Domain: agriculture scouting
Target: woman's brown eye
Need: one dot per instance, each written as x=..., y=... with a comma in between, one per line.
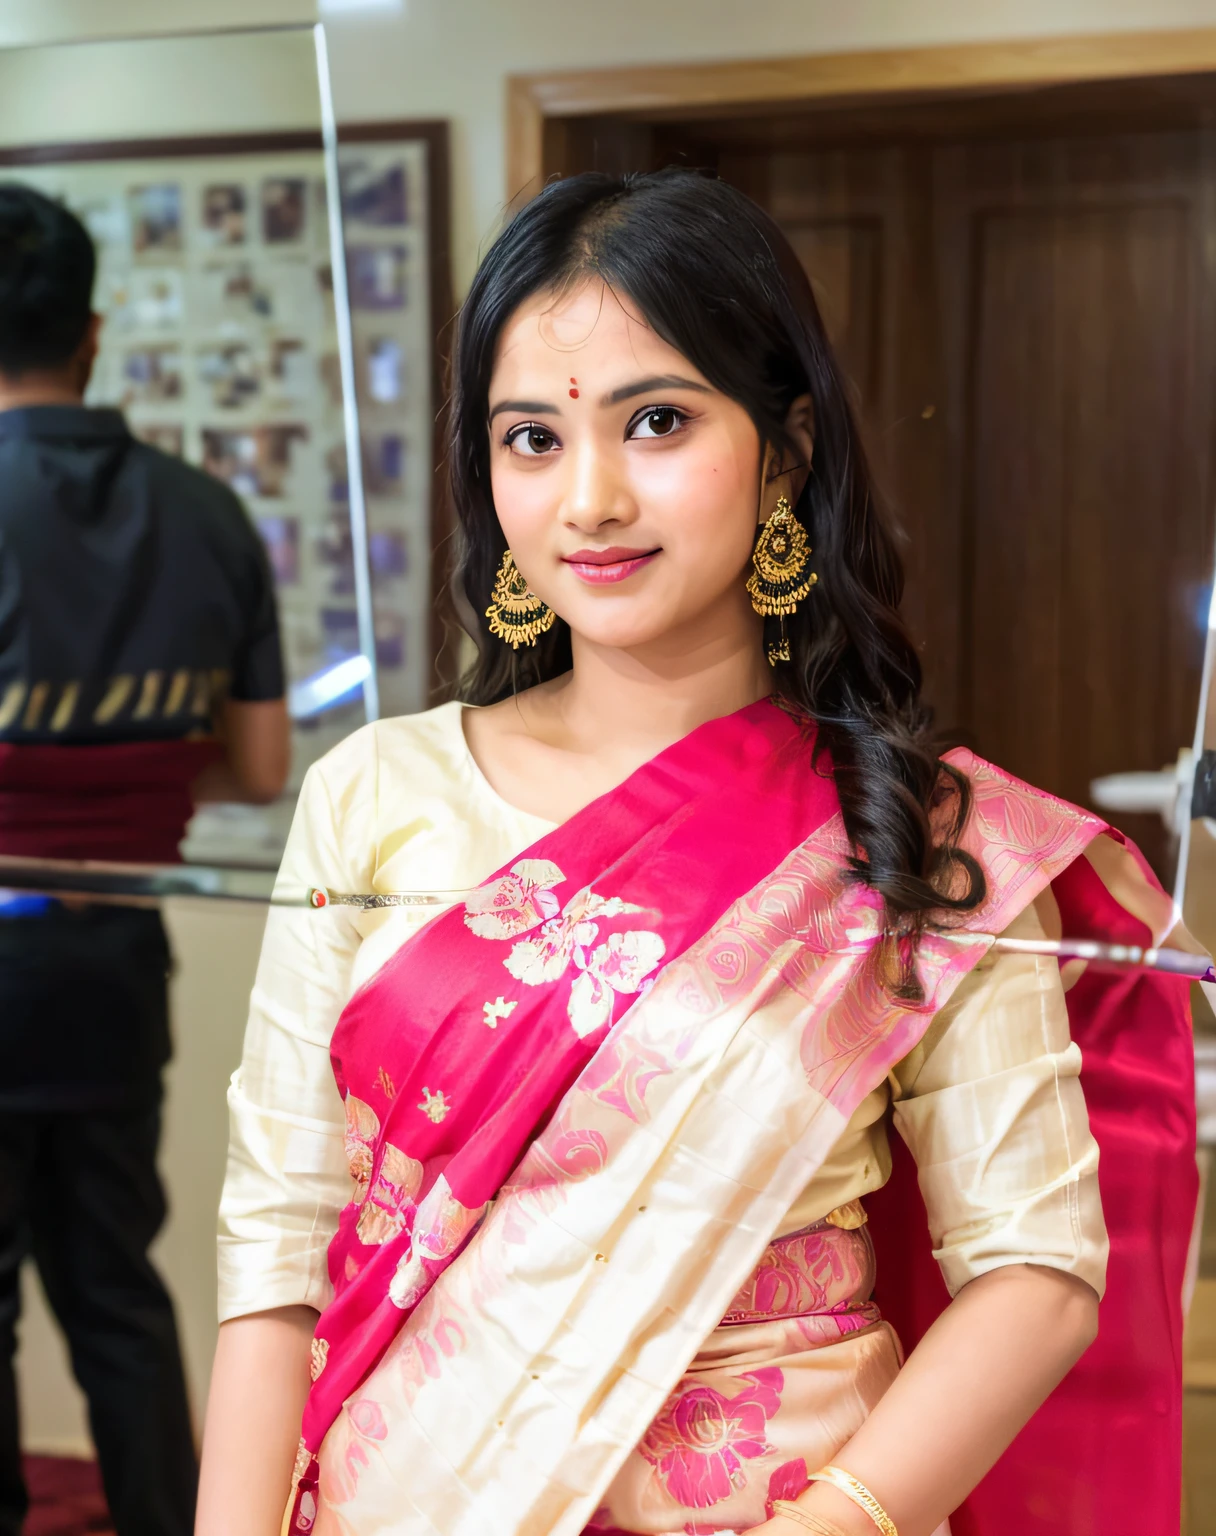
x=659, y=421
x=530, y=440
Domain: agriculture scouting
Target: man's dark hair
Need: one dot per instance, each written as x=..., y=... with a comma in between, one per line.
x=47, y=266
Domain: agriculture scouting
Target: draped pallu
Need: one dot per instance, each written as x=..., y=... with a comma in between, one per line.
x=579, y=1107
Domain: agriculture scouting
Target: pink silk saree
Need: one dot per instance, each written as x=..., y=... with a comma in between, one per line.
x=579, y=1106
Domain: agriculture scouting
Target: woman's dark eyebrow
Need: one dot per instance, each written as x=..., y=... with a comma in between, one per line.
x=645, y=386
x=525, y=408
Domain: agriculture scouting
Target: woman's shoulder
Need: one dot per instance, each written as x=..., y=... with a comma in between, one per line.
x=424, y=751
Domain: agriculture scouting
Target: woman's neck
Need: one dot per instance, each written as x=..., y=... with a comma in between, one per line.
x=551, y=750
x=643, y=699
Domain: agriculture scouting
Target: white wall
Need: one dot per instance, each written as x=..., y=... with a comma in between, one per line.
x=164, y=86
x=450, y=58
x=428, y=58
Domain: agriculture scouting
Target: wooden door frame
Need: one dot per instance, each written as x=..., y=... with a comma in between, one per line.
x=834, y=79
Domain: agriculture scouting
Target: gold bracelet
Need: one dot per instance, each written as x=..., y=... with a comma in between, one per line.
x=847, y=1484
x=795, y=1512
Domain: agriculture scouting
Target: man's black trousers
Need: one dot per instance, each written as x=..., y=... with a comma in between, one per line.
x=79, y=1192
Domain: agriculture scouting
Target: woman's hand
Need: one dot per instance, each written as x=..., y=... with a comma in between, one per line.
x=781, y=1525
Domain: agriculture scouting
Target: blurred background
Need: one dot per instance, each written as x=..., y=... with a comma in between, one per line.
x=1008, y=213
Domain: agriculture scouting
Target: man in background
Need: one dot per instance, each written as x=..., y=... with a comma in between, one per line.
x=140, y=672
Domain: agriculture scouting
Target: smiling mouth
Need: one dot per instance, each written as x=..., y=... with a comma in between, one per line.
x=599, y=567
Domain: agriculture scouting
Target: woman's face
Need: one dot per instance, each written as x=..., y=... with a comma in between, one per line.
x=628, y=488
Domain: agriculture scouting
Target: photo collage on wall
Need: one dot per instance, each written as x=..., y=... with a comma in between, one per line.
x=219, y=342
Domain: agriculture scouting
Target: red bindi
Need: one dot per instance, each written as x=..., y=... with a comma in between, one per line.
x=574, y=392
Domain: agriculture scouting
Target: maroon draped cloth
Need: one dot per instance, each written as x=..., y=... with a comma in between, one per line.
x=126, y=801
x=1104, y=1453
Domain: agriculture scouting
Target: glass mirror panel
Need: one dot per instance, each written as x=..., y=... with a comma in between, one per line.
x=199, y=165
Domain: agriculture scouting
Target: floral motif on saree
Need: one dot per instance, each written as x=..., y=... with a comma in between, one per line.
x=385, y=1203
x=700, y=1438
x=519, y=901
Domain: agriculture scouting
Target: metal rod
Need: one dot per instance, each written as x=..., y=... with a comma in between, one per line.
x=1175, y=962
x=147, y=884
x=357, y=502
x=135, y=884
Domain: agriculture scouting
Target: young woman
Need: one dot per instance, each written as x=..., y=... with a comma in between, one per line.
x=718, y=912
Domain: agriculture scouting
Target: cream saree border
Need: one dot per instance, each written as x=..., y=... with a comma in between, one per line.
x=521, y=1382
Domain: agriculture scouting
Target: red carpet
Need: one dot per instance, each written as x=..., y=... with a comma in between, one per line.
x=65, y=1498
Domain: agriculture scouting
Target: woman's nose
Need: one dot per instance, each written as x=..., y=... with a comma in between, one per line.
x=598, y=491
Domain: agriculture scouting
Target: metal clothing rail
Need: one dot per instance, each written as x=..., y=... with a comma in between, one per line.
x=137, y=885
x=146, y=885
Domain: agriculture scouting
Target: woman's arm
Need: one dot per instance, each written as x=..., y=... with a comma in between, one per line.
x=975, y=1378
x=258, y=1386
x=991, y=1108
x=287, y=1177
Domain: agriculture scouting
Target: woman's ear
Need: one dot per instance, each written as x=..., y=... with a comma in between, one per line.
x=787, y=475
x=800, y=424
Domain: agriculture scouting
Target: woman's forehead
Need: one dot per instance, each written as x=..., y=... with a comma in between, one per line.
x=588, y=323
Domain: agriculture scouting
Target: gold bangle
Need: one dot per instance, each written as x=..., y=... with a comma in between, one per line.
x=803, y=1517
x=847, y=1484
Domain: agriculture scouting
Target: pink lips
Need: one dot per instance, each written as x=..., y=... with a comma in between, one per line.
x=600, y=567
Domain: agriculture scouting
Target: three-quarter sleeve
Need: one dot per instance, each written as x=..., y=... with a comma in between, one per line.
x=991, y=1107
x=287, y=1177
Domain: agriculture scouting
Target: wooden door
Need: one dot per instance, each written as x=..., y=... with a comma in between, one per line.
x=1079, y=353
x=1025, y=309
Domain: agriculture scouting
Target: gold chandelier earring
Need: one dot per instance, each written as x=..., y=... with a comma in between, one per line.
x=781, y=578
x=517, y=616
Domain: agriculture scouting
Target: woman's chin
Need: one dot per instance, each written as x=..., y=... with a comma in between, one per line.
x=619, y=637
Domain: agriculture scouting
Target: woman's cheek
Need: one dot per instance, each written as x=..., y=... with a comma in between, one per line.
x=694, y=484
x=522, y=502
x=709, y=508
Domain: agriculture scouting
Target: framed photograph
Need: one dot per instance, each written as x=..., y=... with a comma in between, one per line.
x=254, y=461
x=339, y=633
x=232, y=292
x=387, y=553
x=156, y=218
x=291, y=372
x=152, y=374
x=335, y=554
x=284, y=209
x=384, y=369
x=224, y=218
x=230, y=374
x=138, y=299
x=374, y=194
x=377, y=276
x=384, y=464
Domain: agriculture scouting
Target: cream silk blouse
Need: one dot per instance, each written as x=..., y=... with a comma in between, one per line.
x=990, y=1102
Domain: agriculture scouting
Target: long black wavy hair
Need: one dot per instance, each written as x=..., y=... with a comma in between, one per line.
x=713, y=275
